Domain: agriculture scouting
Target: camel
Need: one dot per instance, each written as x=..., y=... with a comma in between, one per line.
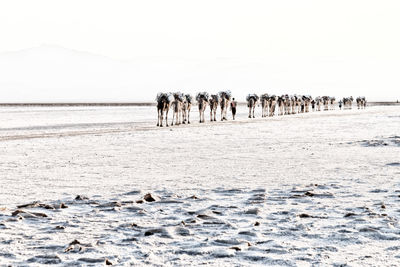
x=177, y=108
x=286, y=104
x=163, y=104
x=307, y=103
x=332, y=102
x=299, y=104
x=213, y=101
x=318, y=101
x=293, y=104
x=251, y=104
x=202, y=100
x=264, y=98
x=361, y=102
x=281, y=104
x=272, y=105
x=225, y=97
x=347, y=102
x=186, y=106
x=325, y=101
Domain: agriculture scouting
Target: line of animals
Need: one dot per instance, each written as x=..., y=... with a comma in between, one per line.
x=285, y=105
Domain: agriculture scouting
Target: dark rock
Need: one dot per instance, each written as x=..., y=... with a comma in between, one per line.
x=27, y=214
x=47, y=206
x=256, y=224
x=350, y=214
x=148, y=233
x=254, y=211
x=194, y=197
x=149, y=198
x=140, y=201
x=108, y=262
x=75, y=242
x=59, y=227
x=309, y=194
x=236, y=248
x=79, y=198
x=304, y=215
x=383, y=206
x=29, y=205
x=160, y=231
x=16, y=212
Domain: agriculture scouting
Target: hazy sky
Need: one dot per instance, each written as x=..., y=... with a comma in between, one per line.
x=352, y=45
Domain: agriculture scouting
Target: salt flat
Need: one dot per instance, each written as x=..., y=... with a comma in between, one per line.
x=306, y=189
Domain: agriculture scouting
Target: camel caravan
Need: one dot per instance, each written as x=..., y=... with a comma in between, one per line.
x=271, y=105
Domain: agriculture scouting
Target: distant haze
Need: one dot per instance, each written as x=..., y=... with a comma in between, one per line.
x=127, y=51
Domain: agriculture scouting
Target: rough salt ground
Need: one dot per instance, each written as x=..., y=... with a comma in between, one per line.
x=293, y=190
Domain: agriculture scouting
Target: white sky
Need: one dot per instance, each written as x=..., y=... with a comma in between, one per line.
x=345, y=46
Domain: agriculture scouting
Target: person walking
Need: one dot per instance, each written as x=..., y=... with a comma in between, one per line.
x=340, y=104
x=233, y=108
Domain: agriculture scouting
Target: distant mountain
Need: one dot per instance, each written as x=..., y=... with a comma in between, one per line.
x=56, y=74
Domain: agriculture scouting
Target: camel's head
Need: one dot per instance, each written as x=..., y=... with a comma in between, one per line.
x=202, y=97
x=163, y=97
x=188, y=98
x=214, y=99
x=264, y=97
x=253, y=97
x=225, y=95
x=178, y=96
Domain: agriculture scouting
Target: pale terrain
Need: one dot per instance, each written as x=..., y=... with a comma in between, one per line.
x=307, y=189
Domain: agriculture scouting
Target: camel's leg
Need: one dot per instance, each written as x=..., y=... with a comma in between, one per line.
x=166, y=117
x=161, y=118
x=188, y=115
x=158, y=117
